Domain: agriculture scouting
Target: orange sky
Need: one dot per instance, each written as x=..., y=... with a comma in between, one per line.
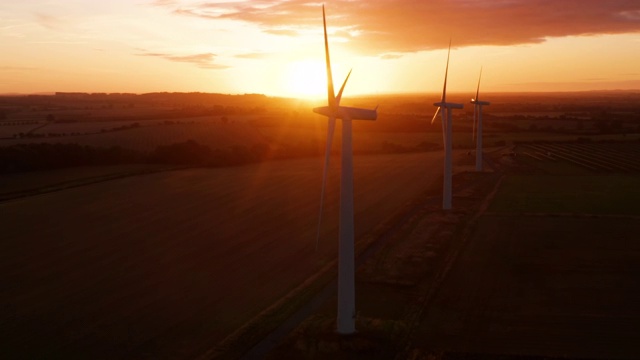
x=276, y=47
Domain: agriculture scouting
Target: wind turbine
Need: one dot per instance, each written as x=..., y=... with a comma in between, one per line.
x=477, y=117
x=346, y=253
x=446, y=134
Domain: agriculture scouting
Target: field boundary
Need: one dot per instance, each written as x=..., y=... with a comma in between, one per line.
x=572, y=215
x=413, y=319
x=65, y=185
x=275, y=313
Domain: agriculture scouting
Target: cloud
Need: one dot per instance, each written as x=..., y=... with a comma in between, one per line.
x=283, y=32
x=17, y=68
x=164, y=3
x=49, y=22
x=252, y=56
x=399, y=26
x=390, y=56
x=204, y=60
x=585, y=85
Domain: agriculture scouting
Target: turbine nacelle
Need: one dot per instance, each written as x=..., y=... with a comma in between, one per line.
x=345, y=112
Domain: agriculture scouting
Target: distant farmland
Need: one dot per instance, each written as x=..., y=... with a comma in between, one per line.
x=167, y=264
x=623, y=157
x=145, y=137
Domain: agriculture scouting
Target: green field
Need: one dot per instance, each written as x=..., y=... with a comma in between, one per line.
x=539, y=286
x=550, y=270
x=586, y=194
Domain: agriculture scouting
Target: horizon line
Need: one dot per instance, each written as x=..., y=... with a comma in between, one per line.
x=391, y=93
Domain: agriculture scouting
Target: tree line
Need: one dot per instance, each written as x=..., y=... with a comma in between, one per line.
x=46, y=156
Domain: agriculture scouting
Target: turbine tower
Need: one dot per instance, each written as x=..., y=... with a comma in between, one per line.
x=446, y=134
x=346, y=253
x=477, y=118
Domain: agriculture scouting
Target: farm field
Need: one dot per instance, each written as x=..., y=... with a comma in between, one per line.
x=167, y=264
x=18, y=184
x=147, y=138
x=620, y=157
x=610, y=194
x=7, y=132
x=545, y=267
x=551, y=269
x=539, y=286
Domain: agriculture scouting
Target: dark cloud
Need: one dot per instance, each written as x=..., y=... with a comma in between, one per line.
x=204, y=60
x=396, y=26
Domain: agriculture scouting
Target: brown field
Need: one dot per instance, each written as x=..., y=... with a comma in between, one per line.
x=168, y=264
x=18, y=185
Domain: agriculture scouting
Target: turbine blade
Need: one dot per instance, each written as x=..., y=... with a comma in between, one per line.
x=327, y=153
x=446, y=73
x=331, y=97
x=478, y=90
x=435, y=115
x=342, y=88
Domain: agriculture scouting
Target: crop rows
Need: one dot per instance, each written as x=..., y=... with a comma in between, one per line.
x=599, y=157
x=167, y=264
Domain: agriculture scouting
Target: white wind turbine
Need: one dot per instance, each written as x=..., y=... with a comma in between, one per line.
x=346, y=254
x=477, y=118
x=446, y=133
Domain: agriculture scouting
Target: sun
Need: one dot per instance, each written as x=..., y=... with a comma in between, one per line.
x=307, y=78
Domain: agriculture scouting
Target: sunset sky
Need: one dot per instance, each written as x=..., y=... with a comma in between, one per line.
x=275, y=47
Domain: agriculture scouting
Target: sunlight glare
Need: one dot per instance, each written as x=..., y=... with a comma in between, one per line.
x=307, y=78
